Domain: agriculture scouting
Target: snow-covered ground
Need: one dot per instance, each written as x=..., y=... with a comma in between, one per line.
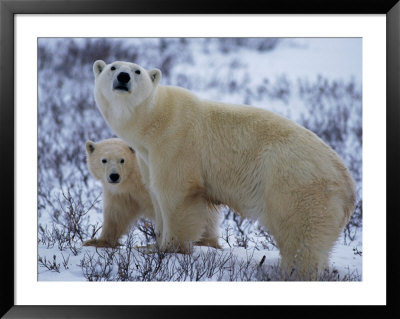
x=316, y=82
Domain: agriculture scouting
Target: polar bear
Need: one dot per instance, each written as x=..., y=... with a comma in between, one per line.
x=125, y=197
x=260, y=164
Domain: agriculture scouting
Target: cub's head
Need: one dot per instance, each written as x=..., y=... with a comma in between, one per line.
x=112, y=162
x=123, y=83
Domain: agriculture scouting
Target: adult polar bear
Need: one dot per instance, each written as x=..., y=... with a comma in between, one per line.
x=263, y=166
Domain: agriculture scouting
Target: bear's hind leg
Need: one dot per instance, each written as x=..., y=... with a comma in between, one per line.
x=305, y=248
x=307, y=237
x=302, y=262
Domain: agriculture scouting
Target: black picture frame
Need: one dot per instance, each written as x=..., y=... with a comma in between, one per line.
x=8, y=10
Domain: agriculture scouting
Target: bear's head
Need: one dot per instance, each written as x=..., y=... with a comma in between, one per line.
x=123, y=83
x=112, y=162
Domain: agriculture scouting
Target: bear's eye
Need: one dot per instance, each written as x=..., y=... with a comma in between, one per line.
x=137, y=71
x=112, y=68
x=104, y=161
x=122, y=161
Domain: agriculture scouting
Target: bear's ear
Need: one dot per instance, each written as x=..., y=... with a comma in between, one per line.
x=98, y=67
x=155, y=76
x=90, y=147
x=132, y=150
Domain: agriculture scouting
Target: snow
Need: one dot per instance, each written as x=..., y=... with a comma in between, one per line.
x=338, y=58
x=232, y=76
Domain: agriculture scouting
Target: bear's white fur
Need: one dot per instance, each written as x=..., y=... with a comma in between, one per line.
x=260, y=164
x=125, y=197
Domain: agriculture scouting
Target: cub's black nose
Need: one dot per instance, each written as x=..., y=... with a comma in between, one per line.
x=114, y=177
x=123, y=77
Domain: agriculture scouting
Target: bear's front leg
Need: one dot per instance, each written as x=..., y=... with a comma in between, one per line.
x=158, y=220
x=145, y=173
x=184, y=220
x=211, y=232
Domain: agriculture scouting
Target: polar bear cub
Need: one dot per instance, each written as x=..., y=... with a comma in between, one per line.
x=260, y=164
x=125, y=197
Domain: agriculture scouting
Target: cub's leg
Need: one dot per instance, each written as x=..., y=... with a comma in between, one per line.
x=116, y=223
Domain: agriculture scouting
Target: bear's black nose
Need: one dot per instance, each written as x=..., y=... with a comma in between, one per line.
x=114, y=177
x=123, y=77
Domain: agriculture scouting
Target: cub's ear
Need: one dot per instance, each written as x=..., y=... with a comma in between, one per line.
x=132, y=150
x=98, y=67
x=155, y=76
x=90, y=147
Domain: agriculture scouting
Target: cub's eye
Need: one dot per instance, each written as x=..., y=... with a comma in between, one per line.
x=122, y=161
x=112, y=68
x=104, y=161
x=137, y=71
